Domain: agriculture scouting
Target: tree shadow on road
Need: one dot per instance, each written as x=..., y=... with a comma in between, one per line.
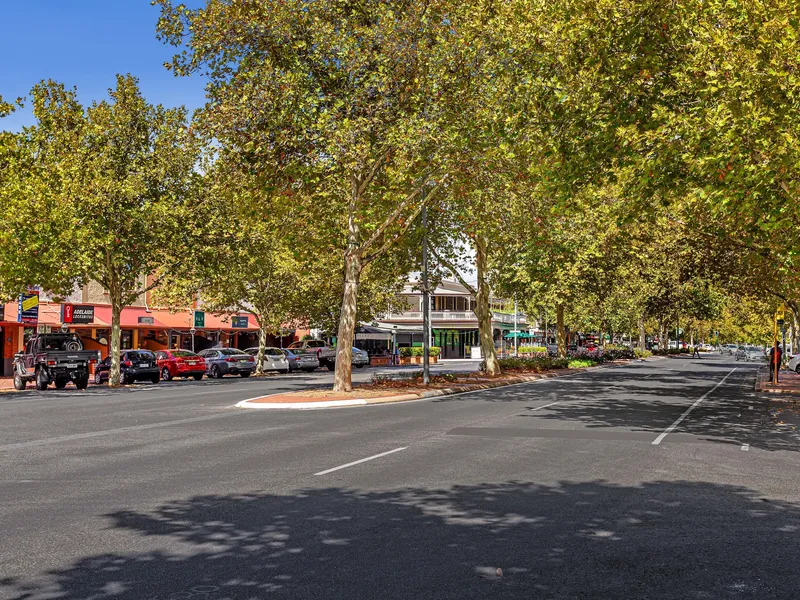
x=571, y=540
x=651, y=403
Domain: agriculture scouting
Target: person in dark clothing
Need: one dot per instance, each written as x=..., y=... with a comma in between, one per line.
x=775, y=363
x=696, y=351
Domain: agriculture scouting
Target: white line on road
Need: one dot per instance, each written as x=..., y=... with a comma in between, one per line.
x=669, y=429
x=544, y=406
x=746, y=447
x=358, y=462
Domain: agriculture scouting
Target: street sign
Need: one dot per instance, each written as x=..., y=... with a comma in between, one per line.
x=780, y=312
x=28, y=308
x=146, y=320
x=78, y=314
x=193, y=331
x=239, y=322
x=199, y=319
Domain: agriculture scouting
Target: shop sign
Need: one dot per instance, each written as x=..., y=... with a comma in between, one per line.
x=239, y=322
x=146, y=320
x=77, y=314
x=200, y=319
x=28, y=308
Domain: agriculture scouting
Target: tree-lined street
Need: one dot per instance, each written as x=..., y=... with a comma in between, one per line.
x=151, y=493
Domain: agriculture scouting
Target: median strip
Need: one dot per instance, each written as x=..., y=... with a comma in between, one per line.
x=388, y=392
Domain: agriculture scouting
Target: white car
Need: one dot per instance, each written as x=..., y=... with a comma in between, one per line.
x=274, y=359
x=794, y=363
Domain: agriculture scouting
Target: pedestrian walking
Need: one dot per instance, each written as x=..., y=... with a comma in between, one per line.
x=696, y=351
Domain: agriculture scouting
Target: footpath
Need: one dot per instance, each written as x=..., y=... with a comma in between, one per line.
x=788, y=384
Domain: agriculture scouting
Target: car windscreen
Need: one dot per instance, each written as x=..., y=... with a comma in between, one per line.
x=273, y=352
x=183, y=353
x=232, y=352
x=753, y=349
x=141, y=355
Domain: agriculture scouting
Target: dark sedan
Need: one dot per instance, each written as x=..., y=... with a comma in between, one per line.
x=135, y=365
x=228, y=361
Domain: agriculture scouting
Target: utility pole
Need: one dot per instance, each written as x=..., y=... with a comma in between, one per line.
x=426, y=302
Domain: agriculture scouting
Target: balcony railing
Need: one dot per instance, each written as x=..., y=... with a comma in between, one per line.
x=451, y=315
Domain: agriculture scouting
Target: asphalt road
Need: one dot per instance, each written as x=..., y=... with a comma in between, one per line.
x=167, y=492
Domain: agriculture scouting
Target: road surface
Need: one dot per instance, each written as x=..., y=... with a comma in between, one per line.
x=662, y=479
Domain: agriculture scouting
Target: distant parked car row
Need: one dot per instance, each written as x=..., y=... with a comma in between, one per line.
x=145, y=365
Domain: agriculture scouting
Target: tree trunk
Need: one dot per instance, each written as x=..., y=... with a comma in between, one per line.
x=642, y=334
x=262, y=344
x=343, y=376
x=483, y=310
x=116, y=313
x=561, y=338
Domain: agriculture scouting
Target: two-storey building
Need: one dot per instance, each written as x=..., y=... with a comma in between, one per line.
x=454, y=326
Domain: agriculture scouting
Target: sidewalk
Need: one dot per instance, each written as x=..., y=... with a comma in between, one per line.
x=6, y=383
x=788, y=383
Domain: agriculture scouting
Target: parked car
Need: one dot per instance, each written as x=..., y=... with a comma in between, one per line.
x=729, y=349
x=274, y=359
x=360, y=358
x=301, y=361
x=228, y=361
x=53, y=357
x=135, y=365
x=180, y=363
x=325, y=354
x=748, y=353
x=794, y=364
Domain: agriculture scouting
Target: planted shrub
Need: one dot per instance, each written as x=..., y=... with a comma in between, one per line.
x=532, y=350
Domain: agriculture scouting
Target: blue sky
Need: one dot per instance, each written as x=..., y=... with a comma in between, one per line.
x=85, y=43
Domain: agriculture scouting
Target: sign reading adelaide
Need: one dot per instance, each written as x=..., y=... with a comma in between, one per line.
x=76, y=313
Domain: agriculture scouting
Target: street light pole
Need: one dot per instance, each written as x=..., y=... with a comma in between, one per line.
x=515, y=327
x=426, y=303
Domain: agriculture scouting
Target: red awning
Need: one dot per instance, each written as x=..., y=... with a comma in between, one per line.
x=135, y=317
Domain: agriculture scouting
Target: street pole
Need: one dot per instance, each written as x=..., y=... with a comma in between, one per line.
x=515, y=327
x=426, y=303
x=775, y=348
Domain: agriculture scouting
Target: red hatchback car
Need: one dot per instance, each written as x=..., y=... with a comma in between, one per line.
x=180, y=363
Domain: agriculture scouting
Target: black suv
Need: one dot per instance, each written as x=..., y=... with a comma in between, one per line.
x=135, y=365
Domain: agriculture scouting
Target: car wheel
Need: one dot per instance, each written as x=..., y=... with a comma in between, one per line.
x=245, y=374
x=61, y=384
x=285, y=371
x=19, y=382
x=198, y=377
x=98, y=379
x=165, y=374
x=215, y=372
x=359, y=366
x=308, y=370
x=155, y=379
x=330, y=366
x=82, y=383
x=41, y=380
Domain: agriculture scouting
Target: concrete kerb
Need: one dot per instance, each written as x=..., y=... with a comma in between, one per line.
x=459, y=389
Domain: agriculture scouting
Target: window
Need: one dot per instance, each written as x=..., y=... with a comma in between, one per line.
x=230, y=351
x=182, y=353
x=161, y=356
